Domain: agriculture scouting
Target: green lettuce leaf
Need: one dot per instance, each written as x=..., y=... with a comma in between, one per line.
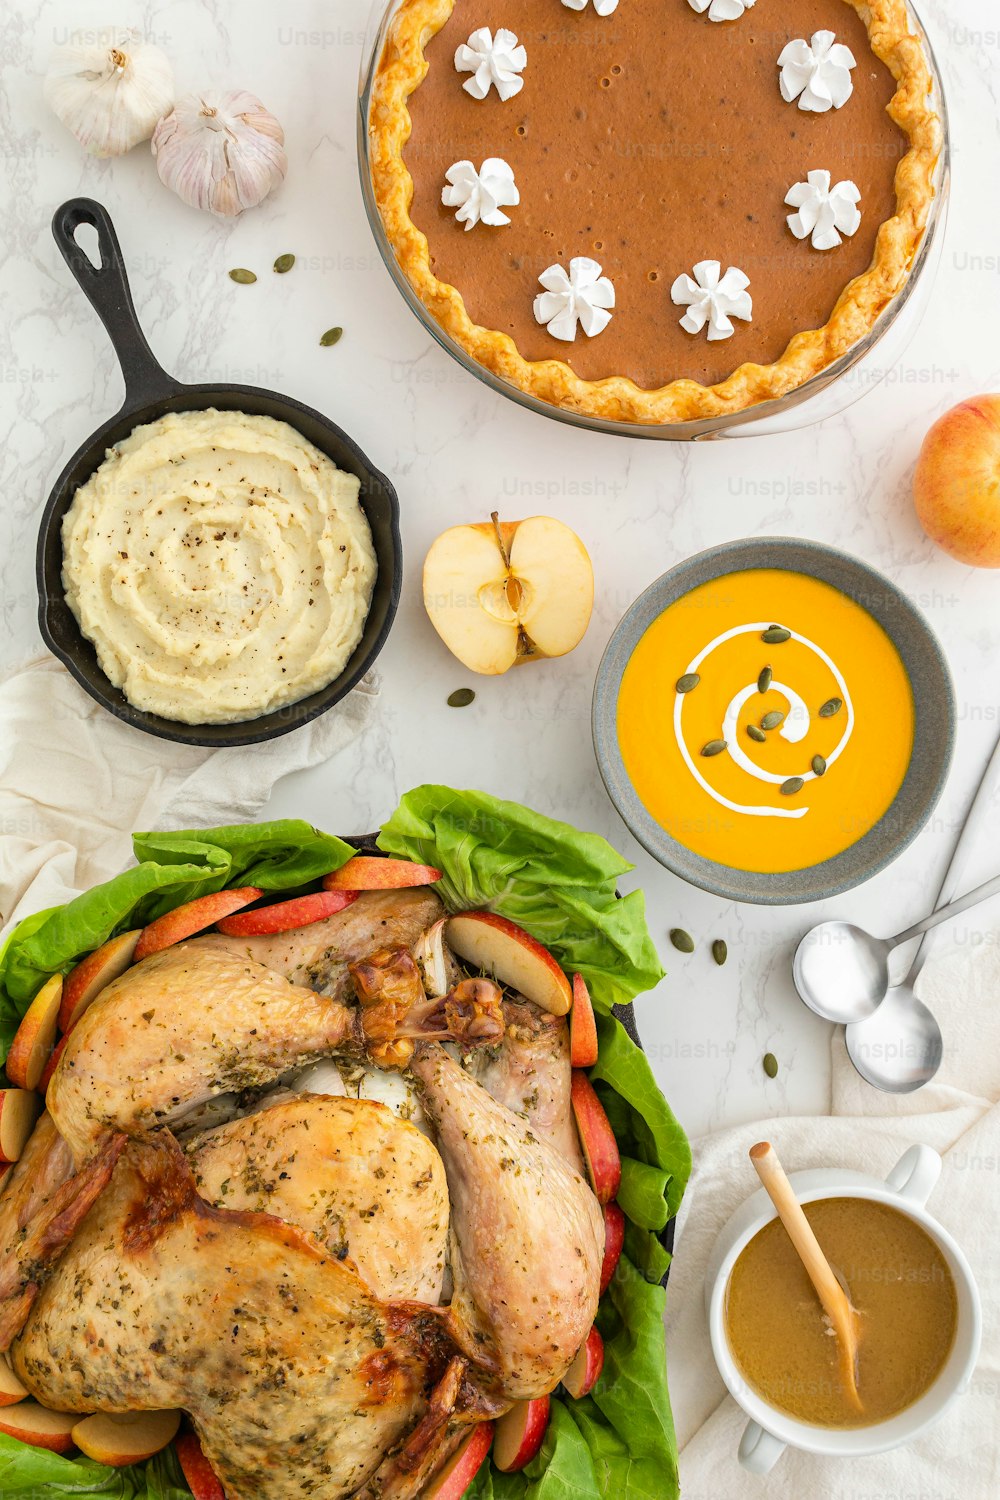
x=553, y=880
x=26, y=1473
x=172, y=868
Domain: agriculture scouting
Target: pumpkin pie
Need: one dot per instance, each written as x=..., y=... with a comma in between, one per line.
x=654, y=211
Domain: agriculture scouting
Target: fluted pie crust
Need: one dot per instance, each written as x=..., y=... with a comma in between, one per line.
x=401, y=70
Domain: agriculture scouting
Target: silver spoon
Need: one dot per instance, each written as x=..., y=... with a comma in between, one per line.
x=899, y=1048
x=842, y=972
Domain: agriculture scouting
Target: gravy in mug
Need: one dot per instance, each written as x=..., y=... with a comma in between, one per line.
x=897, y=1279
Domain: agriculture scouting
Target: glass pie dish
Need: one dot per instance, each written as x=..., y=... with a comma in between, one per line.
x=864, y=365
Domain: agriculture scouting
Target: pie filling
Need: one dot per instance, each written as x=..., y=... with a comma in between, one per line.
x=648, y=144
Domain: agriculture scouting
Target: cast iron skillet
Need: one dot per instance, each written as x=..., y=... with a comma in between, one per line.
x=149, y=394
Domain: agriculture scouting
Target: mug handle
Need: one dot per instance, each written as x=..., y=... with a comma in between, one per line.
x=915, y=1175
x=759, y=1449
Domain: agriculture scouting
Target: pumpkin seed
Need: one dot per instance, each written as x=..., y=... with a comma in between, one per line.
x=284, y=263
x=720, y=952
x=714, y=747
x=818, y=765
x=764, y=680
x=682, y=941
x=332, y=336
x=461, y=698
x=689, y=681
x=791, y=786
x=243, y=276
x=773, y=719
x=830, y=707
x=776, y=635
x=757, y=734
x=770, y=1065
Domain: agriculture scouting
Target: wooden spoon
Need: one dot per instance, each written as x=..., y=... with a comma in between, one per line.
x=836, y=1304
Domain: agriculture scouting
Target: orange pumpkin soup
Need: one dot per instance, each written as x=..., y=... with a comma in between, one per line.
x=766, y=720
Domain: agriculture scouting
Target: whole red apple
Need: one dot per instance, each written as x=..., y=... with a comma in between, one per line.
x=956, y=486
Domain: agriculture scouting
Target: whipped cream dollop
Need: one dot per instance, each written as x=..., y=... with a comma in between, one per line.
x=480, y=197
x=721, y=10
x=824, y=212
x=494, y=62
x=583, y=296
x=713, y=299
x=817, y=73
x=794, y=728
x=602, y=7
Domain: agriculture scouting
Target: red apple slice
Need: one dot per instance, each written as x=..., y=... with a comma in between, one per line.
x=583, y=1373
x=365, y=872
x=52, y=1064
x=201, y=1477
x=127, y=1439
x=596, y=1137
x=512, y=956
x=35, y=1037
x=582, y=1026
x=19, y=1109
x=519, y=1434
x=31, y=1423
x=194, y=916
x=285, y=916
x=461, y=1469
x=11, y=1389
x=83, y=984
x=614, y=1239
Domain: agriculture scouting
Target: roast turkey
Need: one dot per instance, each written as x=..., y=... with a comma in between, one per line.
x=331, y=1293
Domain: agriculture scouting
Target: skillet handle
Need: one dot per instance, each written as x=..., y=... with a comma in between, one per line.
x=108, y=292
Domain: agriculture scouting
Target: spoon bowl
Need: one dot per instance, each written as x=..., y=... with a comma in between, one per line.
x=841, y=972
x=899, y=1048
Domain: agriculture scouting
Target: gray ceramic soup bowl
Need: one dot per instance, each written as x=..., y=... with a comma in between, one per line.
x=933, y=740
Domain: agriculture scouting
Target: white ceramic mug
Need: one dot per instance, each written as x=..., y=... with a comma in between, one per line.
x=770, y=1430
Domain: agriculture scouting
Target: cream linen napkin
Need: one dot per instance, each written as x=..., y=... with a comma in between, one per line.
x=959, y=1115
x=75, y=782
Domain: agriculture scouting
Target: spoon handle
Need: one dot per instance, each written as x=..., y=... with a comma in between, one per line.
x=971, y=898
x=831, y=1294
x=970, y=831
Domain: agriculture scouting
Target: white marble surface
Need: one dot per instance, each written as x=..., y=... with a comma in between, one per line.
x=456, y=450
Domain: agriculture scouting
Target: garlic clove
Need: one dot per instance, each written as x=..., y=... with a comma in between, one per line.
x=222, y=152
x=111, y=94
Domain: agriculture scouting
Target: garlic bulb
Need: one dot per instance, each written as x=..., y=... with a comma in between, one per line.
x=223, y=152
x=110, y=95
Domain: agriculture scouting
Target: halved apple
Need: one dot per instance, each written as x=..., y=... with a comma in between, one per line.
x=513, y=957
x=286, y=916
x=519, y=1434
x=366, y=872
x=34, y=1424
x=129, y=1438
x=604, y=1163
x=19, y=1109
x=201, y=1477
x=11, y=1389
x=454, y=1479
x=614, y=1239
x=83, y=984
x=502, y=593
x=582, y=1026
x=35, y=1037
x=583, y=1373
x=194, y=916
